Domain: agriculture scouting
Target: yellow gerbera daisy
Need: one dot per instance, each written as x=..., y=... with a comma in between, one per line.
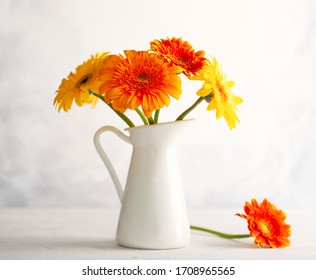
x=218, y=92
x=77, y=84
x=141, y=79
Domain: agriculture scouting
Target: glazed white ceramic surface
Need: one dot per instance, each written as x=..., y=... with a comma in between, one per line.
x=153, y=212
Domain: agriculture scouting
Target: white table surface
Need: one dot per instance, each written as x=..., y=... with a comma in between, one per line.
x=85, y=233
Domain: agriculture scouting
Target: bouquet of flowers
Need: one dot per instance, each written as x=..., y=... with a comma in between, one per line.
x=145, y=80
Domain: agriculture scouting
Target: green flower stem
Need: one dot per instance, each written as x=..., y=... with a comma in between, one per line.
x=221, y=234
x=121, y=115
x=156, y=117
x=150, y=120
x=187, y=111
x=142, y=116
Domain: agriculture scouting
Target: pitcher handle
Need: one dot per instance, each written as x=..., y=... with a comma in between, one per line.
x=105, y=158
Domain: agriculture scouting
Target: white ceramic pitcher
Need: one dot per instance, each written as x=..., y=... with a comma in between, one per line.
x=153, y=212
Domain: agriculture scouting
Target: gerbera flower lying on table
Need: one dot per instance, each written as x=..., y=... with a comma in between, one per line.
x=266, y=224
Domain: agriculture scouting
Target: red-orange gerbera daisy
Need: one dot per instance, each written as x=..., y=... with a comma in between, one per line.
x=266, y=224
x=141, y=79
x=179, y=53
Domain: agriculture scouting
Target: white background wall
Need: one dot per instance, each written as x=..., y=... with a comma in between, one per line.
x=268, y=47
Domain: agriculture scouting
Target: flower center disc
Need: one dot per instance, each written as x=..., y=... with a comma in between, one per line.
x=264, y=227
x=142, y=78
x=83, y=80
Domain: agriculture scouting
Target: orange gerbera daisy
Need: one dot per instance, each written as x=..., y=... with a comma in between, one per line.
x=179, y=53
x=76, y=86
x=141, y=79
x=266, y=224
